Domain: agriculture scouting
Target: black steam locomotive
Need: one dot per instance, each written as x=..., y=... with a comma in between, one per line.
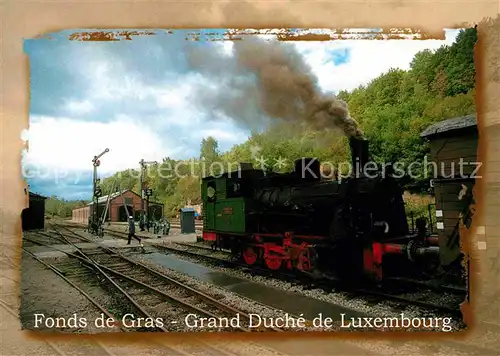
x=351, y=227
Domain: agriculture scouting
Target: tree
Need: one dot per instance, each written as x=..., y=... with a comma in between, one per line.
x=460, y=70
x=56, y=207
x=209, y=150
x=392, y=110
x=209, y=155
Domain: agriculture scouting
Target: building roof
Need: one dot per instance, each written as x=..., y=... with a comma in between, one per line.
x=155, y=203
x=456, y=123
x=112, y=196
x=37, y=196
x=187, y=210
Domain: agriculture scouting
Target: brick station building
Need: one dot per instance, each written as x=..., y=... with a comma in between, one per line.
x=116, y=211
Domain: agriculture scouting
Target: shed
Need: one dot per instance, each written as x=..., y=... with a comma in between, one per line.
x=452, y=167
x=81, y=215
x=33, y=217
x=121, y=204
x=187, y=220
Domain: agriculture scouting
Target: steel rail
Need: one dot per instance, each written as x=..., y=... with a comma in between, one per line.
x=60, y=274
x=296, y=279
x=98, y=268
x=231, y=264
x=166, y=295
x=57, y=238
x=108, y=230
x=199, y=294
x=181, y=285
x=109, y=315
x=438, y=288
x=409, y=281
x=409, y=301
x=290, y=278
x=204, y=344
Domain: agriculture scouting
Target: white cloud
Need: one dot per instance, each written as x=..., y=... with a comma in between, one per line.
x=80, y=107
x=112, y=83
x=368, y=59
x=221, y=134
x=227, y=47
x=107, y=85
x=70, y=145
x=177, y=99
x=174, y=96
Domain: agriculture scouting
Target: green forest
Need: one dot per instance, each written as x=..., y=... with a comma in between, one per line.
x=392, y=111
x=56, y=207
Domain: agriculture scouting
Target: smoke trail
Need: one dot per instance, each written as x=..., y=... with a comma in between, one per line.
x=270, y=79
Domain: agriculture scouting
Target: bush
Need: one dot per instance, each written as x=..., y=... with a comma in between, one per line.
x=417, y=205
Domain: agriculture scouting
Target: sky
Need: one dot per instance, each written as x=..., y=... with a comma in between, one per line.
x=136, y=98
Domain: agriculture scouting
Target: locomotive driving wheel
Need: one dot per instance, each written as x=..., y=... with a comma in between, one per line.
x=250, y=255
x=273, y=261
x=307, y=259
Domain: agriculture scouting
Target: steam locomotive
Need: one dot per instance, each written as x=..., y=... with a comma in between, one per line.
x=351, y=228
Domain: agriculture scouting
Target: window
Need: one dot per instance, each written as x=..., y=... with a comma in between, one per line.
x=211, y=191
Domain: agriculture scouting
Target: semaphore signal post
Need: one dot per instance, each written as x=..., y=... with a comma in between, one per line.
x=95, y=223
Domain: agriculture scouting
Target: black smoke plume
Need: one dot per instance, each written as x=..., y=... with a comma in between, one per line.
x=267, y=79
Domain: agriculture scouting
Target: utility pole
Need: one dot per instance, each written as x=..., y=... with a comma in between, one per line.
x=143, y=165
x=96, y=193
x=147, y=207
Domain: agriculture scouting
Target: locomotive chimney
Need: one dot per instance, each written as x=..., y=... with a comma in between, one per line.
x=359, y=155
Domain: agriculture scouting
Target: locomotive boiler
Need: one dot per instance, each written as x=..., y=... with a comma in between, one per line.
x=352, y=227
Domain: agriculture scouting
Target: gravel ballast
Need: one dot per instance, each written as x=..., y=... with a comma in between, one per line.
x=385, y=309
x=44, y=292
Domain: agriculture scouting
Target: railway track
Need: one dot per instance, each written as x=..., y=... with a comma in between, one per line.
x=107, y=231
x=397, y=283
x=149, y=293
x=51, y=237
x=201, y=347
x=230, y=262
x=400, y=291
x=195, y=346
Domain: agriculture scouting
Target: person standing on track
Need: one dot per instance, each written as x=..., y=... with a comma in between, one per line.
x=166, y=226
x=131, y=231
